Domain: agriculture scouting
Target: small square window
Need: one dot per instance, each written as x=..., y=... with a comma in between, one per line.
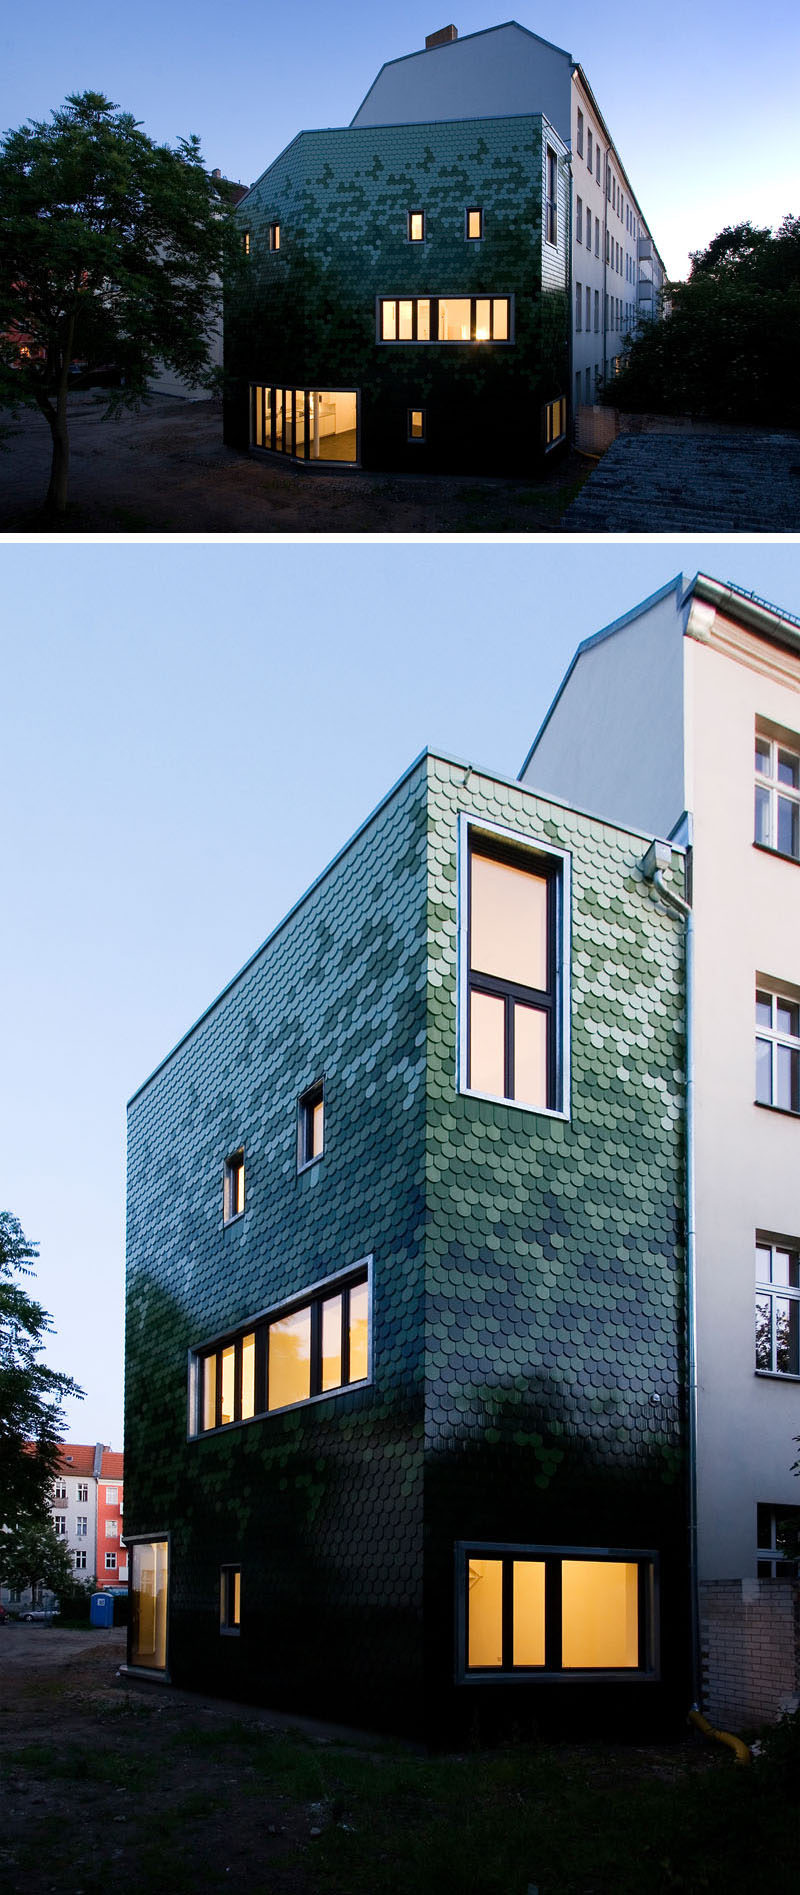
x=274, y=236
x=475, y=222
x=230, y=1599
x=416, y=226
x=233, y=1199
x=416, y=424
x=311, y=1125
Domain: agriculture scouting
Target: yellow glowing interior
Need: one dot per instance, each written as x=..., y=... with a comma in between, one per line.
x=416, y=424
x=209, y=1391
x=485, y=1613
x=248, y=1377
x=500, y=328
x=528, y=1612
x=148, y=1578
x=276, y=236
x=487, y=1016
x=239, y=1188
x=290, y=1359
x=237, y=1597
x=423, y=319
x=417, y=226
x=332, y=1342
x=600, y=1614
x=359, y=1337
x=317, y=1128
x=454, y=318
x=474, y=222
x=228, y=1383
x=530, y=1055
x=483, y=320
x=508, y=922
x=389, y=322
x=405, y=328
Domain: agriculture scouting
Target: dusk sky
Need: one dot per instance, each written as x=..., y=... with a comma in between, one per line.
x=190, y=733
x=700, y=97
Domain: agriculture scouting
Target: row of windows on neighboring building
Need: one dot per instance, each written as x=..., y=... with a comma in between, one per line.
x=618, y=314
x=588, y=143
x=617, y=257
x=777, y=1080
x=82, y=1527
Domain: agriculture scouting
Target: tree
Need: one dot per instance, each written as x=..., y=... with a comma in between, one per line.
x=30, y=1555
x=113, y=252
x=31, y=1419
x=723, y=349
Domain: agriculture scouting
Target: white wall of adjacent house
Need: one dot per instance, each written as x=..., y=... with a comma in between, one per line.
x=747, y=1157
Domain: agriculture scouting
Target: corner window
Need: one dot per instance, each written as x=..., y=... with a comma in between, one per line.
x=777, y=812
x=416, y=226
x=777, y=1050
x=230, y=1600
x=149, y=1584
x=416, y=424
x=514, y=988
x=777, y=1308
x=233, y=1188
x=311, y=1125
x=551, y=201
x=778, y=1531
x=314, y=1346
x=555, y=1612
x=274, y=236
x=474, y=223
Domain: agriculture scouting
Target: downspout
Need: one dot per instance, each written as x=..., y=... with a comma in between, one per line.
x=573, y=408
x=605, y=262
x=654, y=867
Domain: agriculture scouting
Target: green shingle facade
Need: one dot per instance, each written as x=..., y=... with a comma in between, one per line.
x=527, y=1281
x=306, y=315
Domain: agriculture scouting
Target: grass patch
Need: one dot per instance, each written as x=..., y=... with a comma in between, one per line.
x=113, y=1767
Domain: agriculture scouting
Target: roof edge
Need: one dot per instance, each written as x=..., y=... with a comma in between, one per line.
x=420, y=51
x=757, y=615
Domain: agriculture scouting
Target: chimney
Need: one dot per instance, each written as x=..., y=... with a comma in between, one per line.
x=442, y=38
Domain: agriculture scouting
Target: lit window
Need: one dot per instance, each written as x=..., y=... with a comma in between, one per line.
x=60, y=1525
x=551, y=201
x=82, y=1527
x=538, y=1610
x=274, y=236
x=513, y=1026
x=80, y=1561
x=233, y=1200
x=246, y=242
x=230, y=1599
x=416, y=424
x=312, y=1348
x=149, y=1577
x=777, y=816
x=111, y=1562
x=445, y=319
x=777, y=1308
x=474, y=223
x=555, y=421
x=311, y=1125
x=778, y=1530
x=416, y=226
x=777, y=1050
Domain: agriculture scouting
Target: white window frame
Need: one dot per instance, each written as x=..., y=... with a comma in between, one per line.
x=83, y=1490
x=779, y=1562
x=80, y=1560
x=534, y=846
x=60, y=1525
x=82, y=1527
x=765, y=1286
x=775, y=1037
x=111, y=1562
x=776, y=792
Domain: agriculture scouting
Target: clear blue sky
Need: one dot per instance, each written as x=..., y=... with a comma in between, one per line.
x=189, y=734
x=700, y=95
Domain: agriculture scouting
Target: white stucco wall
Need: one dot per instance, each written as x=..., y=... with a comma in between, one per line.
x=499, y=73
x=747, y=919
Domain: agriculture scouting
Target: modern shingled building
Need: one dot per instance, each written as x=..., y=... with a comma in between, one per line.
x=405, y=1384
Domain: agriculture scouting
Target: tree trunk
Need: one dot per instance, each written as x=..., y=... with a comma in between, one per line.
x=56, y=502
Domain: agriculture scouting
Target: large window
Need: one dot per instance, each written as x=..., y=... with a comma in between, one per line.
x=514, y=1026
x=445, y=319
x=316, y=1345
x=777, y=1050
x=149, y=1581
x=777, y=815
x=777, y=1308
x=308, y=424
x=778, y=1531
x=528, y=1611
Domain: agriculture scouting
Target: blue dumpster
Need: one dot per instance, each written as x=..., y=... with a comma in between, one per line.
x=101, y=1609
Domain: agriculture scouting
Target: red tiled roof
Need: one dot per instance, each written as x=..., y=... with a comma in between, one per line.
x=76, y=1458
x=112, y=1466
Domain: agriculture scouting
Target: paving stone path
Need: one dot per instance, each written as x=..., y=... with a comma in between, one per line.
x=737, y=481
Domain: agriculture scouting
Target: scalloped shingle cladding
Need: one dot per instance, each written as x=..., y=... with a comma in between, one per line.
x=527, y=1279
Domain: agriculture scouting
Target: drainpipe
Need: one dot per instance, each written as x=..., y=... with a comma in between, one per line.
x=654, y=867
x=605, y=262
x=573, y=409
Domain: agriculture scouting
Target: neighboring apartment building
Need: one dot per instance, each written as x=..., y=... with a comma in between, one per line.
x=112, y=1554
x=433, y=267
x=405, y=1431
x=684, y=717
x=86, y=1513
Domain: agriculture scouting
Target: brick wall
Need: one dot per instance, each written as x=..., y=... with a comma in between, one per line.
x=750, y=1645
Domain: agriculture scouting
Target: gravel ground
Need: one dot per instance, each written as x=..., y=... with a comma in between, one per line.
x=167, y=470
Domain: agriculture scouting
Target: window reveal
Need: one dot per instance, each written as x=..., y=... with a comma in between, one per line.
x=416, y=226
x=230, y=1599
x=233, y=1201
x=311, y=1125
x=512, y=975
x=551, y=200
x=445, y=319
x=313, y=1348
x=777, y=1050
x=474, y=223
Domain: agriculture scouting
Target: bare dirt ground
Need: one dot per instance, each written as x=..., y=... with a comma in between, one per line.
x=166, y=470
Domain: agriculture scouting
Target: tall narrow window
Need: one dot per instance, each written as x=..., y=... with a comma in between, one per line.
x=416, y=226
x=274, y=236
x=551, y=201
x=233, y=1198
x=579, y=139
x=777, y=1050
x=230, y=1599
x=149, y=1595
x=777, y=1308
x=311, y=1125
x=475, y=222
x=416, y=424
x=777, y=813
x=512, y=1027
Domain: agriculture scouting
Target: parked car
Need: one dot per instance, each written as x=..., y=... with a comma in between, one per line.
x=40, y=1615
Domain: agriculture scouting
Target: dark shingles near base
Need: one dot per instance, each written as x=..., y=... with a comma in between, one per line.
x=733, y=482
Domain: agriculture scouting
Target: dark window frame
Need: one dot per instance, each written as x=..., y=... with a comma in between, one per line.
x=552, y=1557
x=417, y=212
x=545, y=1000
x=234, y=1164
x=551, y=196
x=274, y=235
x=434, y=339
x=473, y=210
x=306, y=1105
x=263, y=411
x=417, y=439
x=258, y=1326
x=229, y=1625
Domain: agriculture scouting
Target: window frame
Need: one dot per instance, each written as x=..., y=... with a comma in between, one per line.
x=229, y=1625
x=550, y=231
x=111, y=1563
x=550, y=419
x=783, y=1565
x=767, y=1288
x=538, y=850
x=316, y=1294
x=309, y=1099
x=410, y=215
x=274, y=234
x=774, y=1037
x=416, y=439
x=776, y=791
x=233, y=1166
x=434, y=340
x=80, y=1559
x=553, y=1557
x=473, y=210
